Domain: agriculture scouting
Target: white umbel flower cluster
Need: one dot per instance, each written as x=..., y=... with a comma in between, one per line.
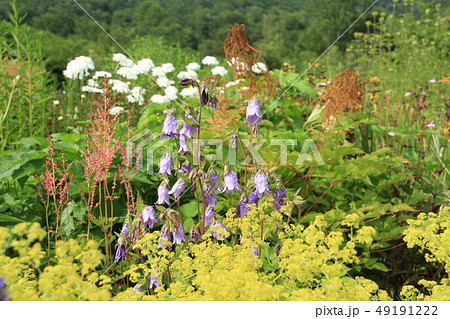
x=210, y=60
x=116, y=110
x=137, y=95
x=219, y=70
x=193, y=66
x=190, y=91
x=259, y=68
x=119, y=86
x=78, y=68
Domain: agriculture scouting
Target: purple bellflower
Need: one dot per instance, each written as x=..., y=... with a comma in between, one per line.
x=120, y=253
x=279, y=199
x=189, y=130
x=165, y=164
x=231, y=182
x=148, y=217
x=178, y=236
x=178, y=188
x=164, y=239
x=183, y=146
x=163, y=194
x=261, y=184
x=185, y=168
x=253, y=113
x=170, y=127
x=154, y=281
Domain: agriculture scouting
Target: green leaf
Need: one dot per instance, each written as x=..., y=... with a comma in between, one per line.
x=189, y=209
x=67, y=222
x=9, y=219
x=379, y=266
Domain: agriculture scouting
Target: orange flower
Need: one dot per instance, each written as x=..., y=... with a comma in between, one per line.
x=445, y=79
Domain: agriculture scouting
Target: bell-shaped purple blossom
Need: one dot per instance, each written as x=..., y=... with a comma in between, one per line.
x=214, y=180
x=170, y=127
x=242, y=209
x=3, y=294
x=178, y=188
x=261, y=184
x=178, y=236
x=214, y=231
x=183, y=146
x=189, y=130
x=164, y=239
x=120, y=253
x=253, y=198
x=208, y=214
x=163, y=195
x=211, y=199
x=204, y=98
x=255, y=251
x=279, y=199
x=165, y=164
x=154, y=281
x=231, y=182
x=148, y=217
x=214, y=102
x=253, y=113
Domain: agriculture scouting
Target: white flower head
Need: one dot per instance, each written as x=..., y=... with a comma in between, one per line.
x=127, y=63
x=91, y=89
x=210, y=60
x=79, y=67
x=167, y=67
x=163, y=81
x=232, y=83
x=193, y=66
x=119, y=57
x=259, y=68
x=116, y=110
x=238, y=64
x=137, y=95
x=101, y=74
x=189, y=91
x=55, y=102
x=128, y=73
x=92, y=83
x=159, y=99
x=145, y=65
x=171, y=93
x=158, y=71
x=219, y=70
x=188, y=75
x=119, y=86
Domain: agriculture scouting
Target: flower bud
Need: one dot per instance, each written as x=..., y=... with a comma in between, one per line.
x=194, y=234
x=214, y=102
x=186, y=82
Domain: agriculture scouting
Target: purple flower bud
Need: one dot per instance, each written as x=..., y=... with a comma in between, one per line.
x=255, y=130
x=148, y=217
x=120, y=253
x=214, y=102
x=231, y=182
x=163, y=195
x=170, y=127
x=208, y=214
x=204, y=97
x=178, y=236
x=136, y=289
x=254, y=251
x=195, y=235
x=186, y=82
x=253, y=113
x=279, y=198
x=186, y=168
x=233, y=140
x=164, y=239
x=165, y=164
x=125, y=230
x=178, y=188
x=183, y=146
x=261, y=184
x=187, y=129
x=215, y=233
x=211, y=200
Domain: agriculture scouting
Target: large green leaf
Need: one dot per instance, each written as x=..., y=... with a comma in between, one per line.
x=9, y=219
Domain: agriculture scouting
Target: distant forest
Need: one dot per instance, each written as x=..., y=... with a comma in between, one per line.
x=288, y=30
